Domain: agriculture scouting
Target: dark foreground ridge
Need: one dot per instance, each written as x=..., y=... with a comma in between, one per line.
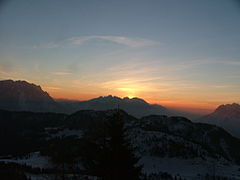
x=69, y=144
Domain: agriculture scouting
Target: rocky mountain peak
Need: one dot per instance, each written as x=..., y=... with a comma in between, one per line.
x=21, y=95
x=231, y=110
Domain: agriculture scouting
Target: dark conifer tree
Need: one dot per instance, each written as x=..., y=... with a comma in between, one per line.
x=122, y=163
x=113, y=158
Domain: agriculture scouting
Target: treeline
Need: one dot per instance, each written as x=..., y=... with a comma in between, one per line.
x=14, y=171
x=23, y=132
x=104, y=152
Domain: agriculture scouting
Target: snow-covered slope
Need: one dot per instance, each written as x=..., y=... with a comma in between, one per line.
x=164, y=144
x=179, y=147
x=33, y=159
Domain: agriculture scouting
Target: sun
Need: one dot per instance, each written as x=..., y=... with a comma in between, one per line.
x=128, y=92
x=130, y=96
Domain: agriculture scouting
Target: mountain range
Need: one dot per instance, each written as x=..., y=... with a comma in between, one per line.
x=24, y=96
x=158, y=135
x=134, y=106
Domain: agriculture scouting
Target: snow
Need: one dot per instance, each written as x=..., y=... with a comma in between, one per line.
x=34, y=159
x=145, y=141
x=63, y=132
x=59, y=176
x=189, y=168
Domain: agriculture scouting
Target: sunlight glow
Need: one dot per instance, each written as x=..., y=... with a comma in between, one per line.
x=129, y=92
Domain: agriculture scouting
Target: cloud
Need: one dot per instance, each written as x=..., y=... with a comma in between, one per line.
x=214, y=61
x=189, y=64
x=49, y=45
x=127, y=41
x=3, y=73
x=62, y=73
x=9, y=71
x=230, y=62
x=6, y=66
x=131, y=42
x=220, y=86
x=52, y=88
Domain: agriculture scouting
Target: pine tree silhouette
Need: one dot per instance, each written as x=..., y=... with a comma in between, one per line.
x=113, y=158
x=122, y=160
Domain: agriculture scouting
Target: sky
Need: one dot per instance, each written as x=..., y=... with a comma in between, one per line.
x=174, y=53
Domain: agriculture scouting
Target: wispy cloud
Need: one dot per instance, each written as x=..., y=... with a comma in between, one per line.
x=220, y=86
x=189, y=64
x=49, y=45
x=211, y=61
x=52, y=88
x=130, y=84
x=230, y=62
x=3, y=73
x=127, y=41
x=62, y=73
x=9, y=71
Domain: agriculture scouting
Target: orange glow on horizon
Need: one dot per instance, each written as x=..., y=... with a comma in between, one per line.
x=187, y=106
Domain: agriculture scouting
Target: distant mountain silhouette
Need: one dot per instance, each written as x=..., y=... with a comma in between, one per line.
x=23, y=96
x=226, y=116
x=134, y=106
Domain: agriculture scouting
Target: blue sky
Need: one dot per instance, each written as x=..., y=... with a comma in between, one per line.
x=165, y=51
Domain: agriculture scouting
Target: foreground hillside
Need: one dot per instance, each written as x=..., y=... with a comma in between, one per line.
x=171, y=145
